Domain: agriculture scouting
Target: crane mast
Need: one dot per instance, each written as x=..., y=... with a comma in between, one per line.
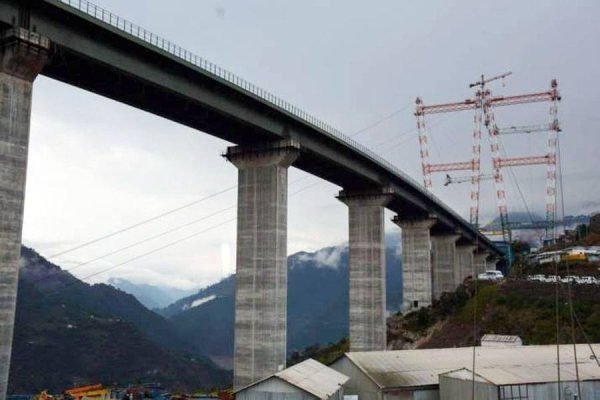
x=483, y=104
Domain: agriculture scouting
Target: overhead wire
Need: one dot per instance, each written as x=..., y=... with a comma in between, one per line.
x=173, y=229
x=518, y=187
x=198, y=201
x=569, y=283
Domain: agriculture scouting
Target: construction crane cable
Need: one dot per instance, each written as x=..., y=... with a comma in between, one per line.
x=516, y=183
x=569, y=291
x=586, y=339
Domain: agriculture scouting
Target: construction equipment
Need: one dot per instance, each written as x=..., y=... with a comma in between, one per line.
x=484, y=104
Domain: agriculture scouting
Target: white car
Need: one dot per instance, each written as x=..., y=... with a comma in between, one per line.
x=537, y=278
x=587, y=280
x=491, y=275
x=569, y=279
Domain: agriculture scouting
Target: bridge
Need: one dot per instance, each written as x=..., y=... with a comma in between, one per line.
x=83, y=45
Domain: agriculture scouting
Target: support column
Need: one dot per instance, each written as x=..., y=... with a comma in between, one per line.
x=367, y=268
x=416, y=263
x=22, y=57
x=480, y=264
x=443, y=264
x=464, y=262
x=261, y=262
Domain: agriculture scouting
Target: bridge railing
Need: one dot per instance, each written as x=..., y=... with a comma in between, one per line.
x=140, y=33
x=175, y=50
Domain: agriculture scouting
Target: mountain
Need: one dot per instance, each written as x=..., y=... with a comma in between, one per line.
x=68, y=330
x=150, y=296
x=525, y=219
x=317, y=303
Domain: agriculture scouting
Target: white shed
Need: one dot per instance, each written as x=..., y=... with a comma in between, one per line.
x=500, y=341
x=308, y=380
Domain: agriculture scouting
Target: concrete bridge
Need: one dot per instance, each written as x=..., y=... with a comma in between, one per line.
x=78, y=43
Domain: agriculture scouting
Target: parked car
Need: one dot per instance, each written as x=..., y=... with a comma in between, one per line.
x=586, y=280
x=491, y=275
x=537, y=278
x=569, y=279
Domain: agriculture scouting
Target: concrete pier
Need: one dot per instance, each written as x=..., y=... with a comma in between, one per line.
x=464, y=262
x=444, y=264
x=22, y=57
x=480, y=262
x=261, y=262
x=367, y=268
x=416, y=262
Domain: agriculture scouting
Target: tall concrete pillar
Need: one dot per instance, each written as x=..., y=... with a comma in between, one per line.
x=479, y=259
x=367, y=268
x=22, y=57
x=416, y=262
x=464, y=262
x=443, y=249
x=261, y=263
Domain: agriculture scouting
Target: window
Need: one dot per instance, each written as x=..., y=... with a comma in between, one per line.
x=513, y=392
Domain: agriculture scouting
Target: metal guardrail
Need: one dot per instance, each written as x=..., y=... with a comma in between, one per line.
x=148, y=37
x=207, y=66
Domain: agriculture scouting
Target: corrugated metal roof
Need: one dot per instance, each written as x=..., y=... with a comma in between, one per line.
x=314, y=378
x=310, y=376
x=410, y=368
x=519, y=374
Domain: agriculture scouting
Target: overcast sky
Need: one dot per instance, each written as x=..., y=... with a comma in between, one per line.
x=97, y=166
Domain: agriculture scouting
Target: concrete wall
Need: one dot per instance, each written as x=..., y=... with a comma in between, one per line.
x=480, y=263
x=367, y=323
x=416, y=263
x=261, y=263
x=444, y=264
x=464, y=261
x=20, y=62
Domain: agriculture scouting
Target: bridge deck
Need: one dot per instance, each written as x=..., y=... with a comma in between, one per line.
x=102, y=53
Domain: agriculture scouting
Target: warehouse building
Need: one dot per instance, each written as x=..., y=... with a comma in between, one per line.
x=308, y=380
x=522, y=382
x=415, y=374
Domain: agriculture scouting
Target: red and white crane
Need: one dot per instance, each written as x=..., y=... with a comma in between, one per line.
x=484, y=104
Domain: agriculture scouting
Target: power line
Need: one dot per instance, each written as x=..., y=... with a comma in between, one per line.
x=195, y=202
x=138, y=224
x=154, y=250
x=184, y=225
x=382, y=120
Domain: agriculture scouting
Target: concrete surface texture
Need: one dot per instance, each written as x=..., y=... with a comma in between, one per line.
x=366, y=269
x=416, y=262
x=480, y=262
x=261, y=270
x=443, y=264
x=20, y=63
x=464, y=262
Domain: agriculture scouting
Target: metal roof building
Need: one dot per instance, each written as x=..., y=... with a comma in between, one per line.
x=414, y=374
x=490, y=340
x=522, y=382
x=308, y=380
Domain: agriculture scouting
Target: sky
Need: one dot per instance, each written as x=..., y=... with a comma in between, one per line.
x=97, y=166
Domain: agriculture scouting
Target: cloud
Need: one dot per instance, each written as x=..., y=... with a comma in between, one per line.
x=199, y=302
x=329, y=257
